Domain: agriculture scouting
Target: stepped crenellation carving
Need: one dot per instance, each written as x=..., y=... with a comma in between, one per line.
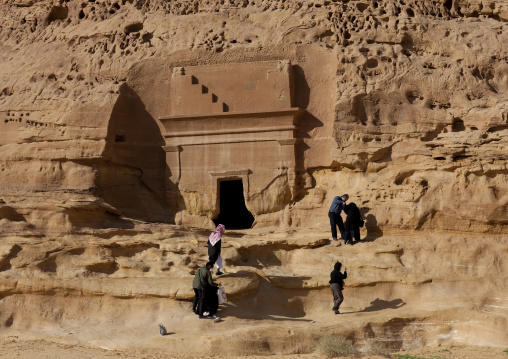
x=191, y=97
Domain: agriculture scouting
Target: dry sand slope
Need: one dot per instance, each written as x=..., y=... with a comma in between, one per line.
x=403, y=292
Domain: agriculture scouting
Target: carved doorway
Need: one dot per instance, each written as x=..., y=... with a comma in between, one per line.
x=233, y=211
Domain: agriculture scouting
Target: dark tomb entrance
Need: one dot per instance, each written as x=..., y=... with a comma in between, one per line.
x=233, y=212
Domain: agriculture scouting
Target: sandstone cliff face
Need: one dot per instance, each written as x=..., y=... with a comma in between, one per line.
x=406, y=107
x=405, y=110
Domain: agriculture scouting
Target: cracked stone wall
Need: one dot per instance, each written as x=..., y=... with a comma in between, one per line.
x=406, y=106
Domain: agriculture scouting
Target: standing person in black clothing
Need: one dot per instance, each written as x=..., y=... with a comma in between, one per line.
x=214, y=245
x=337, y=286
x=353, y=223
x=337, y=206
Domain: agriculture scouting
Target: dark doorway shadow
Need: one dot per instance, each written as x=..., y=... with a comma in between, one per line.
x=131, y=177
x=233, y=211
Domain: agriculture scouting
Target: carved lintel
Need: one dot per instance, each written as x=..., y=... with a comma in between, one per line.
x=172, y=148
x=231, y=173
x=288, y=142
x=243, y=174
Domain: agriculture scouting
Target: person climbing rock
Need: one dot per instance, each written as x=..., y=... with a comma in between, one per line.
x=337, y=286
x=202, y=285
x=353, y=223
x=337, y=206
x=214, y=245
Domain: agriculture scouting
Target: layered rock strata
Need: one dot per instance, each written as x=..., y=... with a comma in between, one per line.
x=405, y=108
x=401, y=104
x=402, y=292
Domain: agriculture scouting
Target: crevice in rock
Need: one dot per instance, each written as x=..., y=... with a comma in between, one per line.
x=103, y=268
x=5, y=264
x=57, y=13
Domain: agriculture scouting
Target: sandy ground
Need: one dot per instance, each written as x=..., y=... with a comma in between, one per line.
x=13, y=347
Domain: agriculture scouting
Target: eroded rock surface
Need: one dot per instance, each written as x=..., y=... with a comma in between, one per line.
x=405, y=109
x=402, y=292
x=403, y=106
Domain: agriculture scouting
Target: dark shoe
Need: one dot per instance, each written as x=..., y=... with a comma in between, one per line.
x=336, y=311
x=202, y=317
x=219, y=272
x=334, y=238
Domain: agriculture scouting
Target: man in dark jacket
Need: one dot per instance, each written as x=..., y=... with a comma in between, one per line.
x=337, y=206
x=353, y=221
x=337, y=285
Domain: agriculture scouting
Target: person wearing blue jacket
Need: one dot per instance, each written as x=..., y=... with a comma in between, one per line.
x=336, y=208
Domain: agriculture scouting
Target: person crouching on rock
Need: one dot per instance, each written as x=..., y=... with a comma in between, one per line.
x=202, y=285
x=214, y=245
x=353, y=222
x=337, y=286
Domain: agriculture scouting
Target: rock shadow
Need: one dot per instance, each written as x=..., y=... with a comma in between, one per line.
x=132, y=175
x=108, y=268
x=306, y=123
x=373, y=230
x=11, y=214
x=97, y=216
x=269, y=302
x=259, y=257
x=380, y=304
x=5, y=264
x=169, y=333
x=235, y=234
x=48, y=265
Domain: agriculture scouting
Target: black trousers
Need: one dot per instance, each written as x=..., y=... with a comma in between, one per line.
x=201, y=302
x=213, y=258
x=211, y=300
x=196, y=300
x=338, y=298
x=213, y=254
x=351, y=233
x=336, y=220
